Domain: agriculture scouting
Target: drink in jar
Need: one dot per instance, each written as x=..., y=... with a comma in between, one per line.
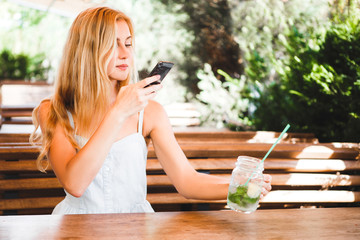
x=246, y=184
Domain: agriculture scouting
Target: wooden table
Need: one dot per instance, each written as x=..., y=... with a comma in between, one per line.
x=321, y=223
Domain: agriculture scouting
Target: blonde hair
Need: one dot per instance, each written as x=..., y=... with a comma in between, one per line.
x=82, y=86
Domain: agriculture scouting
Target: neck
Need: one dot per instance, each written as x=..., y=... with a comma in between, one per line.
x=114, y=92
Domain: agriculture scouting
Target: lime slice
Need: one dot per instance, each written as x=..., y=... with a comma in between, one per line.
x=254, y=190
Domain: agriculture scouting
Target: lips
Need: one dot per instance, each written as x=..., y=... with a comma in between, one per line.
x=122, y=67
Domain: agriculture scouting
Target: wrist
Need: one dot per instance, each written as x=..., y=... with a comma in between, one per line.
x=116, y=117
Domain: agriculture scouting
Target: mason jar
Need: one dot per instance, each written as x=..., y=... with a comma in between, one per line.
x=246, y=184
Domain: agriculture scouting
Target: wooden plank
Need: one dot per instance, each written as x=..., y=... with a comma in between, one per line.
x=27, y=165
x=307, y=179
x=19, y=152
x=17, y=121
x=317, y=151
x=292, y=179
x=207, y=136
x=312, y=165
x=14, y=137
x=245, y=136
x=15, y=113
x=20, y=114
x=289, y=165
x=17, y=108
x=311, y=196
x=279, y=196
x=10, y=144
x=336, y=223
x=29, y=203
x=222, y=164
x=29, y=184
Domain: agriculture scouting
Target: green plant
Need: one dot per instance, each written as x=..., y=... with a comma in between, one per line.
x=259, y=28
x=319, y=90
x=224, y=104
x=39, y=67
x=209, y=26
x=13, y=66
x=22, y=66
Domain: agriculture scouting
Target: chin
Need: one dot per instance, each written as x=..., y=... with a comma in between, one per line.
x=118, y=77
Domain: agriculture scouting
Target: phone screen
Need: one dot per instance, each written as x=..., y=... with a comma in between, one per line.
x=162, y=68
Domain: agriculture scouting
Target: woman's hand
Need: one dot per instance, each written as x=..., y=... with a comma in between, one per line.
x=266, y=186
x=134, y=97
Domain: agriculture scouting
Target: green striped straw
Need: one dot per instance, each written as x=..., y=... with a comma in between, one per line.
x=267, y=154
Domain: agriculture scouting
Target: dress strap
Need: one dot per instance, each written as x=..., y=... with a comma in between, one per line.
x=141, y=120
x=71, y=120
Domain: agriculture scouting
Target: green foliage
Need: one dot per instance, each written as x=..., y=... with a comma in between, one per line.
x=22, y=66
x=302, y=68
x=319, y=90
x=225, y=103
x=13, y=66
x=38, y=68
x=39, y=35
x=210, y=25
x=260, y=28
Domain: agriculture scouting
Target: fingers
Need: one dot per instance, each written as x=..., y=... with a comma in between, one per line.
x=148, y=81
x=266, y=186
x=134, y=97
x=142, y=94
x=265, y=190
x=149, y=89
x=267, y=178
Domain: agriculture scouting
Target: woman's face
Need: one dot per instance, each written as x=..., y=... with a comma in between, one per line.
x=122, y=58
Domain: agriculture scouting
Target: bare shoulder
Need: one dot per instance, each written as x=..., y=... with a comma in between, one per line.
x=154, y=116
x=44, y=107
x=43, y=111
x=154, y=108
x=154, y=111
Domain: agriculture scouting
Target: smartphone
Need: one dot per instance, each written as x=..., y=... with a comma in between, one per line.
x=162, y=68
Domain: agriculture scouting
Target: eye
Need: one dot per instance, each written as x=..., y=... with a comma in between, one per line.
x=128, y=42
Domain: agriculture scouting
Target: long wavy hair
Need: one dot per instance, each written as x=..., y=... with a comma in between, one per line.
x=82, y=86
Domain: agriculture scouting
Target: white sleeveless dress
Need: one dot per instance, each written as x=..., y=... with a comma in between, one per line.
x=120, y=185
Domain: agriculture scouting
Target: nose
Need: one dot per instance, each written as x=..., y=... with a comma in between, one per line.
x=123, y=52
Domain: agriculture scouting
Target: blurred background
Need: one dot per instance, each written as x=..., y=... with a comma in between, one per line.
x=242, y=64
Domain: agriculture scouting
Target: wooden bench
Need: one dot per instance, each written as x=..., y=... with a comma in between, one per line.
x=304, y=174
x=199, y=135
x=8, y=138
x=16, y=114
x=180, y=114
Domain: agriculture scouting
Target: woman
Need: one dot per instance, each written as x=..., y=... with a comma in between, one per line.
x=96, y=127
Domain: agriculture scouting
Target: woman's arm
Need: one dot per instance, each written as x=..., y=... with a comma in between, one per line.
x=187, y=181
x=76, y=170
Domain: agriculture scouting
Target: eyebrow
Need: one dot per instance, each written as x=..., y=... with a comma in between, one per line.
x=129, y=37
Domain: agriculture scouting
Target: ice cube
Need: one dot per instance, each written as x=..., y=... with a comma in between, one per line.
x=232, y=189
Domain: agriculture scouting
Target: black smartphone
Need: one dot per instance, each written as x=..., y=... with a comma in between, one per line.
x=162, y=68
